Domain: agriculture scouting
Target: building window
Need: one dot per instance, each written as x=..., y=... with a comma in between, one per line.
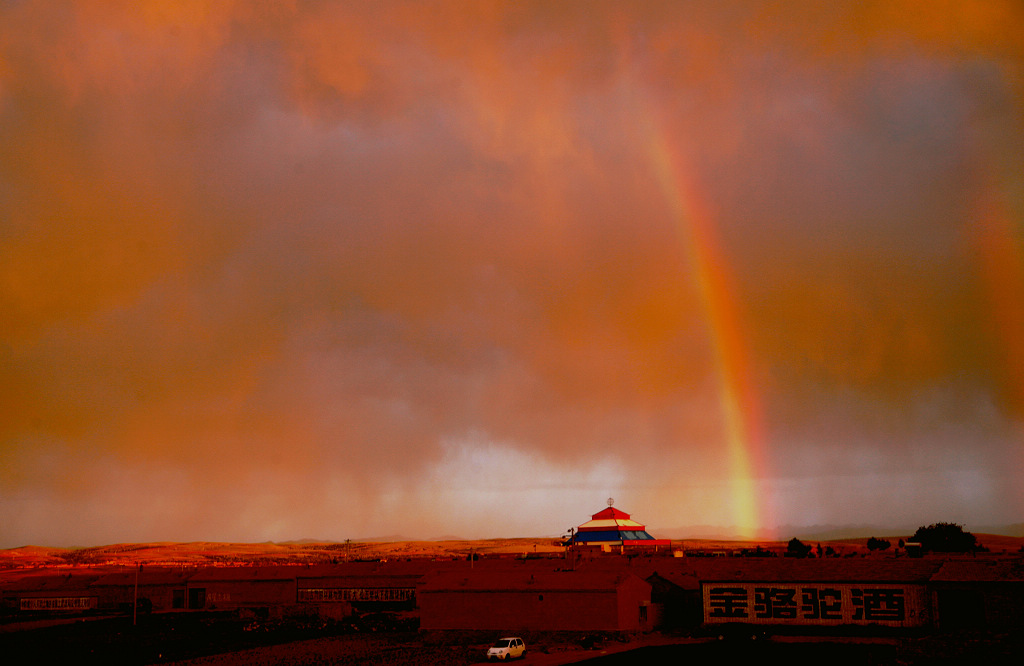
x=197, y=597
x=643, y=613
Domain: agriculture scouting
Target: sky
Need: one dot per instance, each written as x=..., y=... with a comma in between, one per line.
x=310, y=269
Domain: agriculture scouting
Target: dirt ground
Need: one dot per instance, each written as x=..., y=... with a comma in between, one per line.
x=224, y=640
x=187, y=639
x=652, y=648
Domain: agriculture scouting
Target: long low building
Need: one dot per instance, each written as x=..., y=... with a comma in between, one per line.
x=603, y=593
x=936, y=593
x=809, y=596
x=532, y=599
x=336, y=589
x=979, y=594
x=237, y=587
x=371, y=591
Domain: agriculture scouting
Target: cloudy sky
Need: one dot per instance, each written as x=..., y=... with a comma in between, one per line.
x=278, y=270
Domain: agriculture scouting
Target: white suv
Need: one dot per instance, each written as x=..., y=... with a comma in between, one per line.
x=507, y=648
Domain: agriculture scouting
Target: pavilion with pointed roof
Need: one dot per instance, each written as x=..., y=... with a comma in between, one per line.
x=612, y=527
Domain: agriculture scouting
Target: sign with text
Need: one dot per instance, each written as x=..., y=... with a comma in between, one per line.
x=321, y=595
x=58, y=603
x=815, y=603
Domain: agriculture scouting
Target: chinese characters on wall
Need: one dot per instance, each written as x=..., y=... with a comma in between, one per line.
x=58, y=603
x=814, y=603
x=356, y=594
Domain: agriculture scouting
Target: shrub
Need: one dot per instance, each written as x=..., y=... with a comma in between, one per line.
x=878, y=544
x=797, y=548
x=945, y=538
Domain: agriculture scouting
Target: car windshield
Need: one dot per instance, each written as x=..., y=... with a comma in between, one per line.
x=502, y=643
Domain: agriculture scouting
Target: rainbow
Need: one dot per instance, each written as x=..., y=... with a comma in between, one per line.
x=737, y=395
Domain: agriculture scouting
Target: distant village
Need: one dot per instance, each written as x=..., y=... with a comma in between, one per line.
x=609, y=575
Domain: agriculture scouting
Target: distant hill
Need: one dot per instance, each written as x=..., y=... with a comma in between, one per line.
x=304, y=552
x=214, y=553
x=1014, y=530
x=823, y=532
x=390, y=538
x=377, y=539
x=843, y=532
x=448, y=537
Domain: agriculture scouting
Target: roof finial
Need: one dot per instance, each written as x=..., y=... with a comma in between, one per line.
x=611, y=501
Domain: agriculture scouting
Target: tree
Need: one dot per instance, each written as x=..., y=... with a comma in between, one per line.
x=945, y=538
x=878, y=544
x=797, y=548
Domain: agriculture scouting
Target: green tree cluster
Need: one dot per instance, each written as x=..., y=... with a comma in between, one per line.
x=797, y=548
x=945, y=538
x=878, y=544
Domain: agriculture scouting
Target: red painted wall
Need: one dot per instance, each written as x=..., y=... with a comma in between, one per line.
x=536, y=609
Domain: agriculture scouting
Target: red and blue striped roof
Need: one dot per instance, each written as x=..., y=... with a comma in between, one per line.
x=614, y=527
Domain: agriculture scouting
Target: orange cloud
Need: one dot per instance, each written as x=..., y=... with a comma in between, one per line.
x=310, y=254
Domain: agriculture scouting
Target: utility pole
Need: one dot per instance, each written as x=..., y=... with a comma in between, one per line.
x=568, y=547
x=135, y=600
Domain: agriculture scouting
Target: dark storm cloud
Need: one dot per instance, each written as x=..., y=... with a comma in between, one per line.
x=322, y=266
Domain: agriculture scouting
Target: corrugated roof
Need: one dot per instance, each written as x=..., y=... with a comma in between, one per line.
x=686, y=581
x=415, y=566
x=980, y=571
x=146, y=577
x=51, y=583
x=813, y=570
x=252, y=574
x=524, y=581
x=382, y=580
